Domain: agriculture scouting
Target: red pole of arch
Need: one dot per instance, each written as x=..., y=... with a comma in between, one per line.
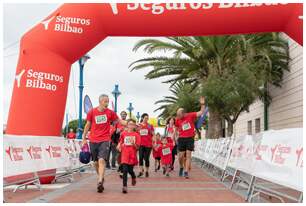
x=48, y=50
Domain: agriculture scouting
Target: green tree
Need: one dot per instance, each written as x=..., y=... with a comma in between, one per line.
x=207, y=61
x=73, y=124
x=183, y=96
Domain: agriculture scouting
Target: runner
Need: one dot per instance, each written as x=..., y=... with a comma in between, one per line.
x=99, y=120
x=113, y=151
x=128, y=145
x=146, y=132
x=120, y=129
x=71, y=134
x=156, y=151
x=166, y=157
x=186, y=131
x=171, y=134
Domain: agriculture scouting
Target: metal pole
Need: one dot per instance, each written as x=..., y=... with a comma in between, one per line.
x=81, y=86
x=116, y=103
x=266, y=120
x=67, y=122
x=250, y=189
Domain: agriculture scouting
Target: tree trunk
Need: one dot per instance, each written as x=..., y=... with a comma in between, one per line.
x=214, y=125
x=230, y=128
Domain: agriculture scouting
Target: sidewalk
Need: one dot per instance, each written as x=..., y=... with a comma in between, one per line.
x=199, y=188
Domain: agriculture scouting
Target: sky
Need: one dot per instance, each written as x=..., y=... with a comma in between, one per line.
x=107, y=66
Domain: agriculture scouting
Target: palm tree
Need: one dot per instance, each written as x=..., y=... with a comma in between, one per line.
x=195, y=59
x=183, y=96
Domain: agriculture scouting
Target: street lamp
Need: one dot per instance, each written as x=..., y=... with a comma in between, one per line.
x=116, y=94
x=138, y=116
x=82, y=62
x=130, y=109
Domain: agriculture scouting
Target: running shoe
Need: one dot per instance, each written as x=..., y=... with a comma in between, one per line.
x=100, y=187
x=124, y=190
x=147, y=174
x=140, y=174
x=133, y=181
x=186, y=175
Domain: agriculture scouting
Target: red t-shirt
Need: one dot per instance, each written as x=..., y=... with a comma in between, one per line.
x=185, y=125
x=170, y=131
x=170, y=141
x=120, y=127
x=71, y=135
x=156, y=149
x=146, y=133
x=166, y=154
x=129, y=151
x=100, y=124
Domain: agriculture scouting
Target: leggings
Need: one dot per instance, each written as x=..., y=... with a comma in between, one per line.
x=144, y=154
x=127, y=169
x=174, y=152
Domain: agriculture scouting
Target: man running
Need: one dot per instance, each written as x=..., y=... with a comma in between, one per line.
x=186, y=131
x=99, y=120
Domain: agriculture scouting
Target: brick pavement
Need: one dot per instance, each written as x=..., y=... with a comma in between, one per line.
x=199, y=188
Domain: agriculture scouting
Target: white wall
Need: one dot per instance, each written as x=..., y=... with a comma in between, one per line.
x=286, y=109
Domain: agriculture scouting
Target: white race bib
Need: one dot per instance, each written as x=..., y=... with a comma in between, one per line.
x=101, y=119
x=129, y=140
x=144, y=132
x=166, y=151
x=186, y=126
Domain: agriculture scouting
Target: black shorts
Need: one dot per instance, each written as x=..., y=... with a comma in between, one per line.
x=99, y=150
x=157, y=158
x=185, y=144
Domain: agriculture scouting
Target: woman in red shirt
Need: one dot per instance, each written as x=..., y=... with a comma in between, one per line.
x=128, y=145
x=156, y=151
x=146, y=132
x=171, y=135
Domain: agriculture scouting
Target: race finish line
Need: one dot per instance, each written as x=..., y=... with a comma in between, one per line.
x=267, y=166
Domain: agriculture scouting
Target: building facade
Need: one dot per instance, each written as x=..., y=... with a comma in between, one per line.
x=286, y=108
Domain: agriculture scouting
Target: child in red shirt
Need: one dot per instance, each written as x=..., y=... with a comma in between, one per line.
x=128, y=145
x=166, y=155
x=156, y=151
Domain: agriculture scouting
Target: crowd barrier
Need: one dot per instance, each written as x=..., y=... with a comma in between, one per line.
x=27, y=159
x=275, y=156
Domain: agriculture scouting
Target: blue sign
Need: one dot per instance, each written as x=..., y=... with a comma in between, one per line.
x=87, y=104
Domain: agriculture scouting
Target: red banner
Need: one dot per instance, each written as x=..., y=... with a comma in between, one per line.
x=48, y=50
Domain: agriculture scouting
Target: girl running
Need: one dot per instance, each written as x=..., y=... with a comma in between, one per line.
x=128, y=145
x=166, y=157
x=146, y=132
x=157, y=151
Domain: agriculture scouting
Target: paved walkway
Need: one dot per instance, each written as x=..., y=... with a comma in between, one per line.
x=199, y=188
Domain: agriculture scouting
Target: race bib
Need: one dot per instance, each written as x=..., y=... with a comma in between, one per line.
x=186, y=126
x=129, y=140
x=166, y=151
x=101, y=119
x=144, y=132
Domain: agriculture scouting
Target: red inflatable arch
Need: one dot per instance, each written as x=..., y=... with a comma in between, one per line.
x=48, y=50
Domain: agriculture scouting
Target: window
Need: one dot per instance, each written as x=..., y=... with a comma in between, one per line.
x=257, y=125
x=250, y=127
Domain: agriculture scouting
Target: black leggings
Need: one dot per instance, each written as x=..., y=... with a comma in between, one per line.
x=144, y=154
x=174, y=152
x=127, y=169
